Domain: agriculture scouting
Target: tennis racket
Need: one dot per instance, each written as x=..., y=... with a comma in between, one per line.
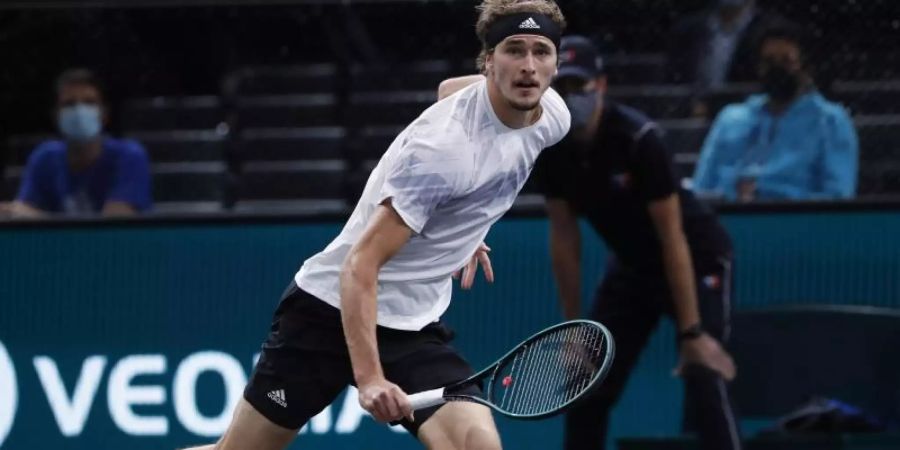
x=541, y=377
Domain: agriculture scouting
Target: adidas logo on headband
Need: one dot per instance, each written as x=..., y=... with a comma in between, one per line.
x=530, y=24
x=522, y=23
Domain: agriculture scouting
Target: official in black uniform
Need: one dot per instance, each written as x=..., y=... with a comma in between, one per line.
x=669, y=254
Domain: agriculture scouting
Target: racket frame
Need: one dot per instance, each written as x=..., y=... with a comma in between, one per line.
x=440, y=395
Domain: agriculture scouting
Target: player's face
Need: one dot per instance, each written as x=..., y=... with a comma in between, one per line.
x=522, y=67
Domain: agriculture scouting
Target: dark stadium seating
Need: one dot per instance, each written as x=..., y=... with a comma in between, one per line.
x=657, y=101
x=684, y=139
x=273, y=125
x=388, y=108
x=19, y=147
x=269, y=144
x=422, y=75
x=862, y=65
x=320, y=78
x=182, y=145
x=635, y=68
x=369, y=143
x=287, y=110
x=281, y=180
x=188, y=182
x=868, y=97
x=168, y=113
x=879, y=144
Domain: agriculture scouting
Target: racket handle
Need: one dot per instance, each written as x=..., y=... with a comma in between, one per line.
x=425, y=399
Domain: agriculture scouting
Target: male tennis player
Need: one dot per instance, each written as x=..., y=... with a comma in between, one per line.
x=366, y=309
x=670, y=255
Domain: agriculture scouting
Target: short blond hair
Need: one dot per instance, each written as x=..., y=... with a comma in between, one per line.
x=489, y=11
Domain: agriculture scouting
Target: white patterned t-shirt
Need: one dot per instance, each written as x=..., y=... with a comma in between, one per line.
x=450, y=175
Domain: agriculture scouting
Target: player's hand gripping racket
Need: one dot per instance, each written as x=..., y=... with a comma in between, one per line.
x=541, y=377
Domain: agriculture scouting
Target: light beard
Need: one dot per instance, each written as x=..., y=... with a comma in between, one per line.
x=524, y=107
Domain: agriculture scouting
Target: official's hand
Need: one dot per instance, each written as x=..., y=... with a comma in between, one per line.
x=385, y=401
x=706, y=352
x=468, y=272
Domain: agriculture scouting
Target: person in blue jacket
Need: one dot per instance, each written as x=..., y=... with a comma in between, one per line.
x=788, y=143
x=86, y=172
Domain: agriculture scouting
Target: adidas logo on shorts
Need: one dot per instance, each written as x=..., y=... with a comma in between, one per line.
x=530, y=24
x=278, y=397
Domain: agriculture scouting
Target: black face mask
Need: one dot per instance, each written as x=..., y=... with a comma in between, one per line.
x=779, y=83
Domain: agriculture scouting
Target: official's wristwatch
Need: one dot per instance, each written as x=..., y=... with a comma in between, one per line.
x=692, y=332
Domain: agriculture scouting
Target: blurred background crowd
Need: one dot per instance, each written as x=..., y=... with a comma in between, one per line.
x=195, y=115
x=143, y=107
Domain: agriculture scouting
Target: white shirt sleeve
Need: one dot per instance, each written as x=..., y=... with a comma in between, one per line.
x=418, y=181
x=559, y=117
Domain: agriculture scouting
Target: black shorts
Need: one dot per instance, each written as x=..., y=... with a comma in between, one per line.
x=304, y=363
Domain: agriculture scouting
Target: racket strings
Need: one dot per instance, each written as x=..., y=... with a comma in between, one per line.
x=581, y=377
x=550, y=371
x=516, y=361
x=539, y=388
x=513, y=387
x=528, y=376
x=578, y=368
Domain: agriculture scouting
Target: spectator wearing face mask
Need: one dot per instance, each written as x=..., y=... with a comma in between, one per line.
x=86, y=172
x=788, y=143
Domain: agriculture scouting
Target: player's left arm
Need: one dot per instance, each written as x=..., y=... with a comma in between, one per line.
x=451, y=86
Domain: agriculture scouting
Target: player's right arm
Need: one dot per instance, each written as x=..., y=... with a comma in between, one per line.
x=451, y=86
x=565, y=254
x=384, y=236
